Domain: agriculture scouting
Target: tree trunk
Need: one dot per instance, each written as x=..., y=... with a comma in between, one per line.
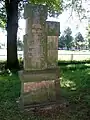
x=12, y=27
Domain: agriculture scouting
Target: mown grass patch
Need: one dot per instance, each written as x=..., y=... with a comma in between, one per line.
x=75, y=84
x=75, y=88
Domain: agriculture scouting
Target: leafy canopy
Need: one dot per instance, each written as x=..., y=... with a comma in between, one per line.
x=54, y=6
x=2, y=14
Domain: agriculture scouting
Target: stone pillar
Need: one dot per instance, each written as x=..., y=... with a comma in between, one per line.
x=40, y=78
x=35, y=38
x=53, y=32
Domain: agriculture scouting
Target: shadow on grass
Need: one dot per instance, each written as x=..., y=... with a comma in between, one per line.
x=75, y=87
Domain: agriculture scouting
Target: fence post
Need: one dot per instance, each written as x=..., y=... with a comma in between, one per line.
x=71, y=57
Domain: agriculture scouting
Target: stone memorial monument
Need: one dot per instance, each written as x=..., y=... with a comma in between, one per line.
x=40, y=84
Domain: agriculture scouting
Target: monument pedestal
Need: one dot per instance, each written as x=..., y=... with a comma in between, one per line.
x=39, y=87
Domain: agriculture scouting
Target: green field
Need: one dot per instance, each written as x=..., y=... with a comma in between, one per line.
x=75, y=89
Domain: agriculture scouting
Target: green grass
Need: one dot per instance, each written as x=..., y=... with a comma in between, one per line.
x=75, y=89
x=75, y=84
x=65, y=62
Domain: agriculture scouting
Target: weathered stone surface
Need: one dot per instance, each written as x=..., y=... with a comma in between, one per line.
x=53, y=28
x=52, y=51
x=40, y=77
x=39, y=92
x=35, y=10
x=35, y=39
x=53, y=31
x=34, y=53
x=39, y=86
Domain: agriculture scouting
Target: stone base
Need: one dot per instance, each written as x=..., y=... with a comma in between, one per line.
x=39, y=87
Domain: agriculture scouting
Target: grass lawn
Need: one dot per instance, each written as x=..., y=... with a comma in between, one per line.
x=75, y=88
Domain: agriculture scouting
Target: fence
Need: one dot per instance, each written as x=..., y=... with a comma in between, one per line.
x=3, y=55
x=61, y=56
x=71, y=57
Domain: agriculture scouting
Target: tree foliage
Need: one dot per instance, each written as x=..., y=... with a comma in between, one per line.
x=88, y=35
x=66, y=39
x=2, y=14
x=61, y=42
x=54, y=6
x=79, y=41
x=79, y=37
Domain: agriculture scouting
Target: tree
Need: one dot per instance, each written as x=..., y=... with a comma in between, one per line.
x=12, y=27
x=79, y=37
x=68, y=38
x=9, y=14
x=61, y=42
x=88, y=35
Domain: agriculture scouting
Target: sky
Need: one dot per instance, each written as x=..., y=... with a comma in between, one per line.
x=74, y=23
x=65, y=21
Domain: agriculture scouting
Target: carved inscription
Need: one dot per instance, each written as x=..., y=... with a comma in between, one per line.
x=39, y=84
x=35, y=51
x=39, y=91
x=42, y=39
x=53, y=28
